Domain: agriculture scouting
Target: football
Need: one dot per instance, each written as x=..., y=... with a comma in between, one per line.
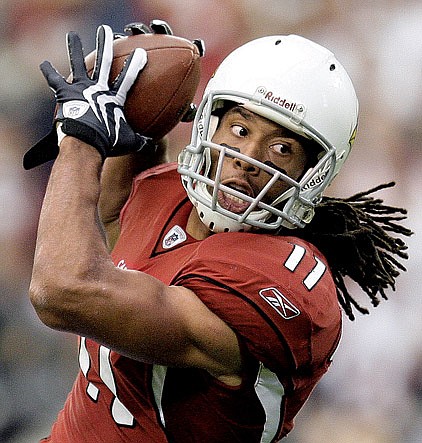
x=165, y=88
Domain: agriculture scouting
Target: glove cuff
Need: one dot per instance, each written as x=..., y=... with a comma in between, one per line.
x=43, y=151
x=86, y=134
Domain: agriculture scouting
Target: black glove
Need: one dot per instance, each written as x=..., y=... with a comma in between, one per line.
x=88, y=108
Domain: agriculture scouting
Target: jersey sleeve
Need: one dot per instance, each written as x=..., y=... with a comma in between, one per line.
x=276, y=293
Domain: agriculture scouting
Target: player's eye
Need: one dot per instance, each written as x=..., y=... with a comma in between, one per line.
x=239, y=130
x=281, y=148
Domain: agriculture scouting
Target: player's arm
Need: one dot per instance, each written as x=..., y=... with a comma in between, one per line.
x=75, y=286
x=116, y=183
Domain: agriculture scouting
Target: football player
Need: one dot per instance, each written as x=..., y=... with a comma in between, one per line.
x=219, y=308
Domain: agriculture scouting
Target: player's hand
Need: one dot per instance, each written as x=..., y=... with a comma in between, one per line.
x=88, y=108
x=155, y=27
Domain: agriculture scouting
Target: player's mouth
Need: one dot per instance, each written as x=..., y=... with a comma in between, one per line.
x=231, y=202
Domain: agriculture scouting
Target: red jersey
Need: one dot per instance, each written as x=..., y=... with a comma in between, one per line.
x=275, y=292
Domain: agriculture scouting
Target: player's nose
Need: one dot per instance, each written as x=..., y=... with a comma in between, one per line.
x=250, y=150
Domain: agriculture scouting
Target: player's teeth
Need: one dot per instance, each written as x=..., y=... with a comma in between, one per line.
x=235, y=199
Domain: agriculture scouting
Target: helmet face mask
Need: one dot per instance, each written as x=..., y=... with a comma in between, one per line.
x=281, y=95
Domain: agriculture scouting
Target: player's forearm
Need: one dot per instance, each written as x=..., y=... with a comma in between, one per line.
x=70, y=245
x=75, y=286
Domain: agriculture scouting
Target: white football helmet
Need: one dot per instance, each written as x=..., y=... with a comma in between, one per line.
x=291, y=81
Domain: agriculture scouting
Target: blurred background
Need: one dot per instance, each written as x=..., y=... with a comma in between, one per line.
x=373, y=392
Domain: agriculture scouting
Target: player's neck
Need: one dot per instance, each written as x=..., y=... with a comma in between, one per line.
x=196, y=228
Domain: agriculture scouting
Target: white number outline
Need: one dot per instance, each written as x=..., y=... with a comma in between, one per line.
x=121, y=415
x=315, y=274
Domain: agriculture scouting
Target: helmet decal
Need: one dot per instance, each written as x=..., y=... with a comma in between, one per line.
x=353, y=136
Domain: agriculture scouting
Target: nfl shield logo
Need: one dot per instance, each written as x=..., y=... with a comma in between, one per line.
x=175, y=236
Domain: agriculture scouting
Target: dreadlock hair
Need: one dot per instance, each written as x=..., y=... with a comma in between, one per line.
x=353, y=234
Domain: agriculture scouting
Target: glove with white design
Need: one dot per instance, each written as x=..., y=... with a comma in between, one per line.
x=88, y=108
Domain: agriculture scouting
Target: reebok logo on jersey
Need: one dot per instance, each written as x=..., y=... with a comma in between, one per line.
x=175, y=236
x=279, y=302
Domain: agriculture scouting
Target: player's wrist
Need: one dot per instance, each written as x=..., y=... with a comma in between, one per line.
x=89, y=135
x=78, y=147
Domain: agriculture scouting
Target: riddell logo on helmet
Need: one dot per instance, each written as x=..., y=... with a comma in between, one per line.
x=280, y=101
x=315, y=181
